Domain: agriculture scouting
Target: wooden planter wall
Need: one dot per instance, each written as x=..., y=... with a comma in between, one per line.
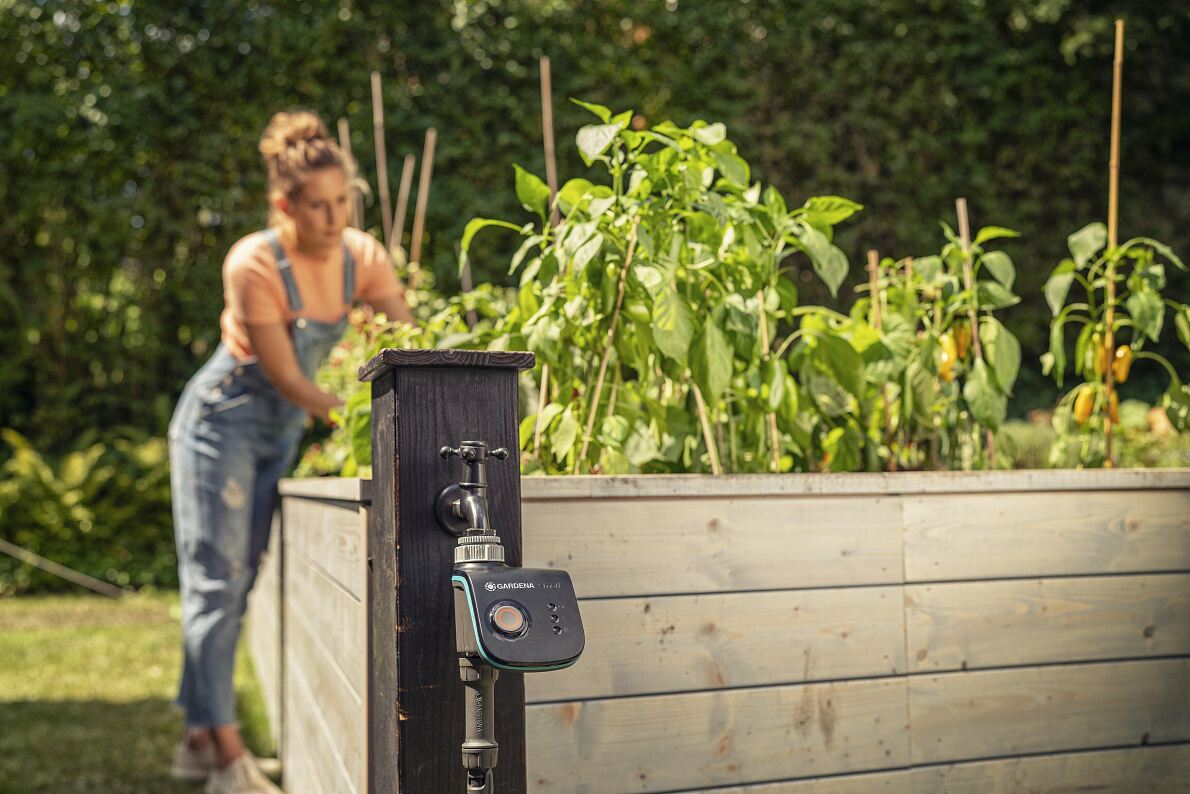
x=1016, y=631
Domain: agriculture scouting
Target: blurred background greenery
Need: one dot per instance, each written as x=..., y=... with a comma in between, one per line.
x=128, y=166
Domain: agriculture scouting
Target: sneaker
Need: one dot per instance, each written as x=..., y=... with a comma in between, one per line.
x=241, y=776
x=190, y=764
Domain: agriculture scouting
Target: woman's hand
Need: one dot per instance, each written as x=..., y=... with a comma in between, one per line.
x=329, y=403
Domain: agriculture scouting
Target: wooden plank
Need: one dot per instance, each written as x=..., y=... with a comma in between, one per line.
x=852, y=484
x=388, y=358
x=655, y=546
x=683, y=643
x=959, y=716
x=968, y=625
x=333, y=536
x=299, y=773
x=990, y=536
x=383, y=725
x=1154, y=770
x=716, y=738
x=264, y=633
x=326, y=708
x=341, y=489
x=335, y=617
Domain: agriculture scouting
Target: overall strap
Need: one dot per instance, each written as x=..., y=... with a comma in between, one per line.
x=348, y=276
x=291, y=289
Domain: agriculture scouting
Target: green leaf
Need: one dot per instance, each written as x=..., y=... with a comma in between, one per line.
x=573, y=192
x=1002, y=351
x=603, y=113
x=594, y=139
x=586, y=252
x=1057, y=352
x=1086, y=242
x=733, y=167
x=476, y=224
x=1181, y=321
x=829, y=262
x=928, y=268
x=641, y=447
x=1176, y=402
x=843, y=445
x=712, y=134
x=532, y=192
x=1000, y=266
x=774, y=376
x=829, y=397
x=1058, y=285
x=993, y=233
x=988, y=404
x=673, y=325
x=711, y=361
x=829, y=210
x=1147, y=311
x=787, y=295
x=564, y=435
x=841, y=359
x=1157, y=246
x=992, y=296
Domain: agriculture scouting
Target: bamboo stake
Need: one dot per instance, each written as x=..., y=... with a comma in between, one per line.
x=542, y=399
x=716, y=468
x=57, y=569
x=886, y=390
x=960, y=205
x=774, y=436
x=423, y=197
x=357, y=202
x=608, y=345
x=381, y=160
x=547, y=126
x=402, y=203
x=1113, y=211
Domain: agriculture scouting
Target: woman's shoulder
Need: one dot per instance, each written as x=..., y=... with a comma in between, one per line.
x=251, y=250
x=365, y=248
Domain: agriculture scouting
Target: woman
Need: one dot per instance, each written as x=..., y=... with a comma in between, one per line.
x=235, y=431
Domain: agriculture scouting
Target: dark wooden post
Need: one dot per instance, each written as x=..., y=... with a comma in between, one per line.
x=421, y=401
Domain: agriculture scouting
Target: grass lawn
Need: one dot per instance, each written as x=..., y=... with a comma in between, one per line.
x=86, y=695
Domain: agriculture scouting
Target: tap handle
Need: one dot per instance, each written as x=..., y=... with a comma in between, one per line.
x=472, y=451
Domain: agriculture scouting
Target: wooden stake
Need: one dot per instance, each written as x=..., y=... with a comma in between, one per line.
x=1113, y=211
x=774, y=435
x=608, y=346
x=403, y=203
x=960, y=206
x=357, y=202
x=542, y=399
x=886, y=390
x=381, y=160
x=423, y=197
x=704, y=421
x=547, y=127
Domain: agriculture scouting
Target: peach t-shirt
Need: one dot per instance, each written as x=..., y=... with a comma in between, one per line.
x=254, y=294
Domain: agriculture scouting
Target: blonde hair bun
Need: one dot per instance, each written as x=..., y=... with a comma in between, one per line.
x=294, y=145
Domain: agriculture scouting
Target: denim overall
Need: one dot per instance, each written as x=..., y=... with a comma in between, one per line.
x=231, y=439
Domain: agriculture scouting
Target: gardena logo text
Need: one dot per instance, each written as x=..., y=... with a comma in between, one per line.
x=493, y=586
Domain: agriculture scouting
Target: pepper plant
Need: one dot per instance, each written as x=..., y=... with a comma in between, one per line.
x=653, y=307
x=931, y=389
x=1119, y=311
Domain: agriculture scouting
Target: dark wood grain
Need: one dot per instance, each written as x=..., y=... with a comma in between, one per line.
x=383, y=725
x=429, y=406
x=392, y=357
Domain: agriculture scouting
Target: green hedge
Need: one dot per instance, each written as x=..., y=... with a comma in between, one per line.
x=128, y=161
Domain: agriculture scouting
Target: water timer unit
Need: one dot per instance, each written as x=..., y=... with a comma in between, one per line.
x=525, y=620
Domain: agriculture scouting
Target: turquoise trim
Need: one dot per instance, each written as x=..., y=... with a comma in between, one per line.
x=474, y=613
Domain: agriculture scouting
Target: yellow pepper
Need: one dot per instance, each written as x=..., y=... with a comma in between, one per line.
x=962, y=339
x=947, y=358
x=1122, y=363
x=1083, y=404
